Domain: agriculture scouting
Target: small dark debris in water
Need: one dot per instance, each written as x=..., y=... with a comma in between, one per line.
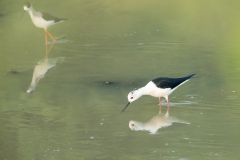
x=13, y=71
x=107, y=82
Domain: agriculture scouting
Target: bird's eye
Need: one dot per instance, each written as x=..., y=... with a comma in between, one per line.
x=133, y=125
x=131, y=97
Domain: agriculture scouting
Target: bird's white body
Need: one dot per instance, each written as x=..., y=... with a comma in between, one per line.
x=152, y=90
x=37, y=19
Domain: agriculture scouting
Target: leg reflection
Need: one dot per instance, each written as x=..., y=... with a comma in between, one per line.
x=160, y=105
x=48, y=49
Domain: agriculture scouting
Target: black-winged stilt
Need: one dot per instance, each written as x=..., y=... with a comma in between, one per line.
x=158, y=87
x=42, y=19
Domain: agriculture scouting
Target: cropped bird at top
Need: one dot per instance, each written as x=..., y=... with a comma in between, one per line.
x=42, y=19
x=158, y=87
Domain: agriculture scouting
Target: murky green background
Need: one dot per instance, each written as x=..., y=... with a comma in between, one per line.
x=73, y=114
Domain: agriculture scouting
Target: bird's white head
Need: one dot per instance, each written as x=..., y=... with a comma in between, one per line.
x=26, y=6
x=132, y=96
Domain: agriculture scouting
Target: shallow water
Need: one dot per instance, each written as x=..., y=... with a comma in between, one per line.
x=103, y=51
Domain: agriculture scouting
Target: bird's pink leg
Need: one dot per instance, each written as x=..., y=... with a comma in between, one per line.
x=160, y=105
x=50, y=35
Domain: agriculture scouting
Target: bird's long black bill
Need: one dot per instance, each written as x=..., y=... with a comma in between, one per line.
x=22, y=14
x=125, y=107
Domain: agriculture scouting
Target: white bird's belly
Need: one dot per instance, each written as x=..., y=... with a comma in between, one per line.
x=160, y=92
x=39, y=22
x=154, y=91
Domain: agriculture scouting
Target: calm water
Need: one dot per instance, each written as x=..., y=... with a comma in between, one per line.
x=74, y=114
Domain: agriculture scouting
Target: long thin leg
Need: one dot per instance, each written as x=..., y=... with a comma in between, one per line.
x=48, y=50
x=160, y=105
x=51, y=36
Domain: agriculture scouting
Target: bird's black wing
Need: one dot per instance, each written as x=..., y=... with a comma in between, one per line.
x=164, y=82
x=49, y=17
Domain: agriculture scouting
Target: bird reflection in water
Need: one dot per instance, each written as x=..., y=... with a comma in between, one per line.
x=42, y=67
x=157, y=122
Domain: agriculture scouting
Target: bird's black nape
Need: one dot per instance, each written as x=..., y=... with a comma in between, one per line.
x=125, y=107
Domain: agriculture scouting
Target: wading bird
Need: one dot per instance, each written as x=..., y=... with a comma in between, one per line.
x=42, y=20
x=158, y=87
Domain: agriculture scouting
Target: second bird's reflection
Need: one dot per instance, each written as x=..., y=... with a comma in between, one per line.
x=42, y=67
x=155, y=123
